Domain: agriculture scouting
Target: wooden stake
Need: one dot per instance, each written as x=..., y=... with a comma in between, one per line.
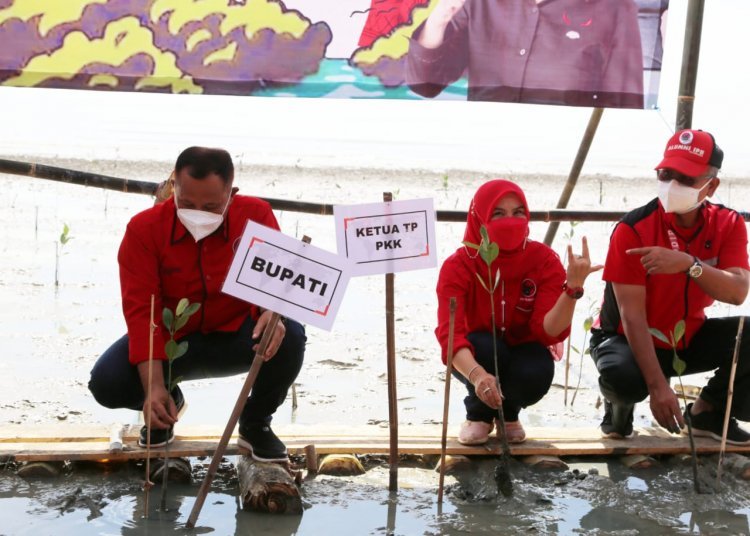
x=390, y=330
x=730, y=395
x=147, y=485
x=235, y=416
x=447, y=397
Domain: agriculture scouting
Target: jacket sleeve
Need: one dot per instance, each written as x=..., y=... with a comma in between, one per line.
x=733, y=253
x=430, y=71
x=623, y=75
x=548, y=292
x=139, y=280
x=453, y=282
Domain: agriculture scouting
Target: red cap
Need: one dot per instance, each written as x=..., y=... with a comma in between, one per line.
x=690, y=152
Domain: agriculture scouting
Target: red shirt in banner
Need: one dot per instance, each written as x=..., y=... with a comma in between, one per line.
x=574, y=52
x=531, y=280
x=159, y=256
x=385, y=15
x=718, y=239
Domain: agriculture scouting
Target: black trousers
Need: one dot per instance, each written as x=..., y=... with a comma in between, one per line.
x=711, y=348
x=525, y=371
x=115, y=383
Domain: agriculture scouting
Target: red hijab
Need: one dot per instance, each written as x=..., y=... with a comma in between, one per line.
x=482, y=205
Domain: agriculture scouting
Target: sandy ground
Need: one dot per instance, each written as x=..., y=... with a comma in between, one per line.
x=53, y=334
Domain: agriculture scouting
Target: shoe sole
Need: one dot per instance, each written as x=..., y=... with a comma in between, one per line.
x=615, y=435
x=716, y=437
x=245, y=444
x=473, y=442
x=156, y=445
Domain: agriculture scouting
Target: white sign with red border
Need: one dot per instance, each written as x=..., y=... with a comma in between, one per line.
x=388, y=237
x=287, y=276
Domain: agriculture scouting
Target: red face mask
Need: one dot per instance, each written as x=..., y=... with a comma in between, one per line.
x=508, y=233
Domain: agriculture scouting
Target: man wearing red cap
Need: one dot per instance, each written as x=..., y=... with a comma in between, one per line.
x=667, y=261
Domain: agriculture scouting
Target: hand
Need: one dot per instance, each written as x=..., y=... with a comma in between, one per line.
x=486, y=389
x=163, y=408
x=659, y=260
x=276, y=338
x=666, y=408
x=445, y=10
x=579, y=266
x=434, y=28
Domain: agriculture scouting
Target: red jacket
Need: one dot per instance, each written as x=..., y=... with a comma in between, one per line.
x=531, y=277
x=159, y=256
x=719, y=239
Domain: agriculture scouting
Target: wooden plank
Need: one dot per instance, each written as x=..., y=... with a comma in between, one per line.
x=66, y=443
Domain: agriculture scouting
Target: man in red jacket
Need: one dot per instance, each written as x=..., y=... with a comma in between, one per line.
x=182, y=248
x=668, y=260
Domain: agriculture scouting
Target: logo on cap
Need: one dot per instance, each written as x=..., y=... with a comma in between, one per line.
x=686, y=138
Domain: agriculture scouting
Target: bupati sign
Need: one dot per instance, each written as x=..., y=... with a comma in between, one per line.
x=287, y=276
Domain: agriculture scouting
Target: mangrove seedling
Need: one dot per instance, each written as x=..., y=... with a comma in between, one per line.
x=489, y=251
x=568, y=238
x=679, y=366
x=174, y=322
x=587, y=323
x=64, y=239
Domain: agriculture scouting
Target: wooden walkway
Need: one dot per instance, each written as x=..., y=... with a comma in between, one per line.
x=87, y=442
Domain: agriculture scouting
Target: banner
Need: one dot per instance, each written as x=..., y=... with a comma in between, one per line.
x=604, y=53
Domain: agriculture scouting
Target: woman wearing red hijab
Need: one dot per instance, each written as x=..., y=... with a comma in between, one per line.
x=534, y=303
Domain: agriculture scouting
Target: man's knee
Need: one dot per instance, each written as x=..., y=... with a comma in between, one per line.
x=620, y=377
x=293, y=345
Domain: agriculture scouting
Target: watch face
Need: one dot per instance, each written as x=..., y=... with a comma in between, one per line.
x=696, y=270
x=577, y=293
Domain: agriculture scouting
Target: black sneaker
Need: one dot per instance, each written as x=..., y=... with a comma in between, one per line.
x=711, y=424
x=160, y=437
x=262, y=443
x=617, y=422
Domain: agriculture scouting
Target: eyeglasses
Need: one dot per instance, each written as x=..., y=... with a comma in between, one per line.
x=672, y=175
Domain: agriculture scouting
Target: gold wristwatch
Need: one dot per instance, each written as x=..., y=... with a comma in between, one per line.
x=696, y=269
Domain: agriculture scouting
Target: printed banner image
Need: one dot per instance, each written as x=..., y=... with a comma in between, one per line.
x=604, y=53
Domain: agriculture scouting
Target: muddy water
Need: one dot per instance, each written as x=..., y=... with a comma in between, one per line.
x=53, y=334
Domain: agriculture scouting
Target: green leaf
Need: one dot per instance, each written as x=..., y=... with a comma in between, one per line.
x=168, y=318
x=678, y=365
x=659, y=335
x=192, y=309
x=679, y=331
x=574, y=349
x=470, y=245
x=180, y=323
x=588, y=323
x=484, y=285
x=182, y=349
x=497, y=280
x=170, y=348
x=174, y=383
x=490, y=253
x=64, y=238
x=484, y=234
x=181, y=306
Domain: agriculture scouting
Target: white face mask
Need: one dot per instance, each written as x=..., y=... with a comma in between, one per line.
x=676, y=197
x=200, y=223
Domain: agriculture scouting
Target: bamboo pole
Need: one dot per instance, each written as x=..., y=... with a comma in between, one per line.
x=730, y=396
x=147, y=485
x=689, y=72
x=83, y=178
x=447, y=397
x=390, y=335
x=575, y=170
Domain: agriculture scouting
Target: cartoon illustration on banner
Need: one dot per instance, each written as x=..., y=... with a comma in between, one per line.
x=604, y=53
